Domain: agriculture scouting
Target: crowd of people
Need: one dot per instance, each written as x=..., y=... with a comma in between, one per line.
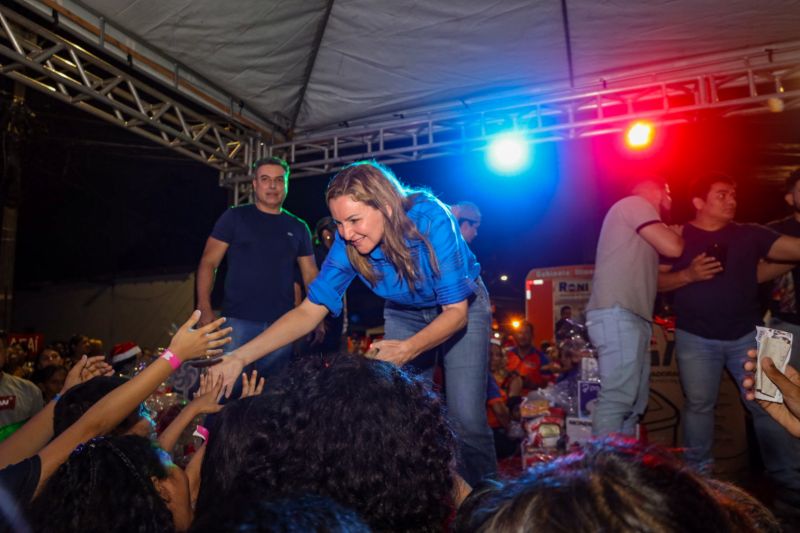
x=326, y=440
x=283, y=459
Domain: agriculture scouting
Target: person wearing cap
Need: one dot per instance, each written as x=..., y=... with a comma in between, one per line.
x=468, y=217
x=328, y=338
x=123, y=357
x=263, y=244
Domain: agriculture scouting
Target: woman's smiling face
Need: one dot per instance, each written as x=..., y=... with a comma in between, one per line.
x=359, y=224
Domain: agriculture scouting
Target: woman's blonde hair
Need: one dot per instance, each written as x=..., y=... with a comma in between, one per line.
x=375, y=185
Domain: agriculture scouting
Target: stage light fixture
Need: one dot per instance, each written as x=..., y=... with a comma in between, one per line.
x=640, y=135
x=508, y=153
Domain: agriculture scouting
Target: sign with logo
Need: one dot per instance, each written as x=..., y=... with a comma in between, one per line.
x=8, y=403
x=548, y=290
x=30, y=342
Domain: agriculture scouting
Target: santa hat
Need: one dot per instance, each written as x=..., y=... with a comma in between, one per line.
x=124, y=351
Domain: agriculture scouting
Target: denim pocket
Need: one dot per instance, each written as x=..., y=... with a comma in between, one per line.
x=482, y=293
x=597, y=334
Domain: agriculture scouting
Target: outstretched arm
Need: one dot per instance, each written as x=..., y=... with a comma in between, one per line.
x=785, y=248
x=768, y=270
x=188, y=343
x=193, y=470
x=287, y=329
x=38, y=431
x=205, y=401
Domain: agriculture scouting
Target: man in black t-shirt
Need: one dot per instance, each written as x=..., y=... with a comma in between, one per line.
x=716, y=302
x=264, y=244
x=785, y=294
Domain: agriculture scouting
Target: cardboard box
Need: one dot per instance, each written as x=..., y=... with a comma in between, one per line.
x=587, y=397
x=579, y=430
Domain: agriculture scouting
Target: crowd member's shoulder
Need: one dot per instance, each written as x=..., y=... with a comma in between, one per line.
x=20, y=480
x=634, y=202
x=240, y=209
x=238, y=212
x=753, y=228
x=782, y=224
x=21, y=383
x=294, y=218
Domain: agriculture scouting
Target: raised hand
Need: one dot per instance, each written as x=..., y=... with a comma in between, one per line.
x=252, y=386
x=206, y=399
x=229, y=370
x=85, y=369
x=189, y=343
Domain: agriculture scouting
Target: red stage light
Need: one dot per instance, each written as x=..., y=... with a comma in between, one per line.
x=639, y=135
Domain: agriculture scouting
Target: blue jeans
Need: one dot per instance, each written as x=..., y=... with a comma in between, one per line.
x=700, y=364
x=465, y=358
x=622, y=339
x=271, y=364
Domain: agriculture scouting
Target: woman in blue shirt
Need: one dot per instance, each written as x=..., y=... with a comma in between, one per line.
x=405, y=245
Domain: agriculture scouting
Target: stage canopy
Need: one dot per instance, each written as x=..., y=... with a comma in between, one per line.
x=326, y=82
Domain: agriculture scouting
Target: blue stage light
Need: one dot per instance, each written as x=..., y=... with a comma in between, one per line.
x=508, y=153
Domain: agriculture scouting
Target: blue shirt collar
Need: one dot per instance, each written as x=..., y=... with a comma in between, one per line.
x=377, y=253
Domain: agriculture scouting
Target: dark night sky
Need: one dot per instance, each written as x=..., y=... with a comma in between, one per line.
x=99, y=202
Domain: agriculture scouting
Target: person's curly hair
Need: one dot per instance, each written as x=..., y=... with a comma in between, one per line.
x=359, y=431
x=105, y=485
x=80, y=398
x=305, y=514
x=613, y=485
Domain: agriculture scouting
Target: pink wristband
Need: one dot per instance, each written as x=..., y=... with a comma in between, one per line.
x=172, y=359
x=201, y=432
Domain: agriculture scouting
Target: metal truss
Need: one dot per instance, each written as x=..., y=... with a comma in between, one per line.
x=202, y=123
x=752, y=81
x=38, y=58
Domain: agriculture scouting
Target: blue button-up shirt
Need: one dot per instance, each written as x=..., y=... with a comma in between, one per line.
x=458, y=268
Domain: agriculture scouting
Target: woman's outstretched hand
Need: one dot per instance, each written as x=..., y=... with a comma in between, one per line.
x=229, y=371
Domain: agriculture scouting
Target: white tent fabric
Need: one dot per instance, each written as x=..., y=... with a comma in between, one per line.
x=378, y=57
